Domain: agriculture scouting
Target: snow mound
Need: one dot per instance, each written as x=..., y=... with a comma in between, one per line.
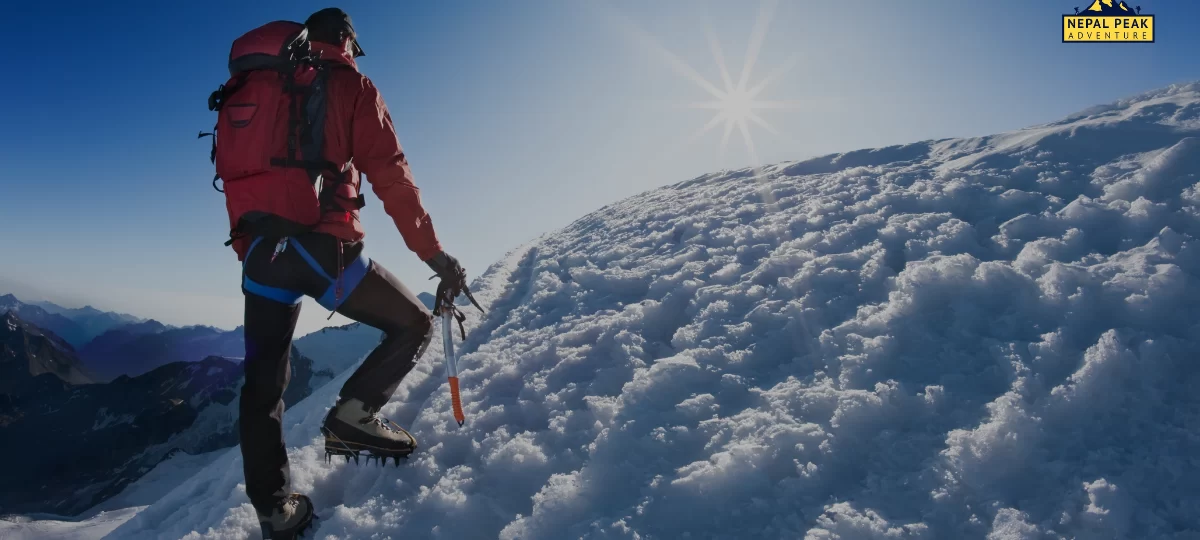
x=992, y=337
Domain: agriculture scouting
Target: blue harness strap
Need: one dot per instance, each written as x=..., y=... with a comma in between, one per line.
x=283, y=296
x=311, y=261
x=352, y=275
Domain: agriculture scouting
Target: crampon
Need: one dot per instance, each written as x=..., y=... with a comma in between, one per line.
x=336, y=446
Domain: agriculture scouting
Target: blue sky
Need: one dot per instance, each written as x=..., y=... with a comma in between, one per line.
x=518, y=117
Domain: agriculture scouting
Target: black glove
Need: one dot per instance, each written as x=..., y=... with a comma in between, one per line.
x=453, y=284
x=452, y=274
x=447, y=267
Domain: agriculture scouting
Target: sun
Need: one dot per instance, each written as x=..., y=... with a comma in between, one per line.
x=736, y=105
x=736, y=108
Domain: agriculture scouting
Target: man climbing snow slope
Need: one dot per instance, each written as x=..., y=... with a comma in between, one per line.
x=296, y=124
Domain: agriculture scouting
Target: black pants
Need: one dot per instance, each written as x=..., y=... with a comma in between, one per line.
x=308, y=265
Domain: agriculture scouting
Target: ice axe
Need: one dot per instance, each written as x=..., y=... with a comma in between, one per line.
x=444, y=307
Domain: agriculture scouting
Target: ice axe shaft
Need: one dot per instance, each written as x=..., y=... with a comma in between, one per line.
x=452, y=365
x=445, y=308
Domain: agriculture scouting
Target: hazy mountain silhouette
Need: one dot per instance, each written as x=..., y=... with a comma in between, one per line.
x=93, y=321
x=27, y=351
x=138, y=348
x=63, y=327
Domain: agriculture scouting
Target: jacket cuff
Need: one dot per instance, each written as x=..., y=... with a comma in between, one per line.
x=430, y=253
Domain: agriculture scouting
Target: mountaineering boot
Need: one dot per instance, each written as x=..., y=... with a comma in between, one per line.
x=352, y=428
x=288, y=519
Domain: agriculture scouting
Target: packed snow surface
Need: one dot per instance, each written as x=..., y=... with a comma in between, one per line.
x=994, y=337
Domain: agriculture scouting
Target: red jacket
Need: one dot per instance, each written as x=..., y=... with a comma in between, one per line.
x=359, y=127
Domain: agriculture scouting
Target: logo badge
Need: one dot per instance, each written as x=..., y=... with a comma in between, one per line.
x=1108, y=21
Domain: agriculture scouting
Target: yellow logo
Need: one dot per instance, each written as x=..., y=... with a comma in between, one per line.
x=1108, y=21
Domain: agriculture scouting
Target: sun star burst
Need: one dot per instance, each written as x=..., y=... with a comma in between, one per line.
x=737, y=104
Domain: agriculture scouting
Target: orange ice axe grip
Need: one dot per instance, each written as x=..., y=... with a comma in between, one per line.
x=456, y=399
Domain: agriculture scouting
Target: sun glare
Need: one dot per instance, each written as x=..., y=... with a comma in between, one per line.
x=736, y=104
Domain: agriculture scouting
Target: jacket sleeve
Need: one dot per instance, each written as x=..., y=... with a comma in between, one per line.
x=377, y=153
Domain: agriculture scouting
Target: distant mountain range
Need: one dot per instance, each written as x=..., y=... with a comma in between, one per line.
x=138, y=348
x=76, y=326
x=27, y=351
x=113, y=340
x=93, y=321
x=78, y=442
x=114, y=344
x=63, y=327
x=90, y=401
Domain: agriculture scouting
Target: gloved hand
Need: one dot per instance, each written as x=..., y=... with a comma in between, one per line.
x=452, y=274
x=447, y=267
x=453, y=284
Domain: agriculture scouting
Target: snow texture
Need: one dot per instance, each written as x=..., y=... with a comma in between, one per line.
x=976, y=338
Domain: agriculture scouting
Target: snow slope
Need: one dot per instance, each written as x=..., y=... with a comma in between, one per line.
x=993, y=337
x=98, y=526
x=110, y=514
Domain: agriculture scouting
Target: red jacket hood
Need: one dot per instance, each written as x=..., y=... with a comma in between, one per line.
x=333, y=53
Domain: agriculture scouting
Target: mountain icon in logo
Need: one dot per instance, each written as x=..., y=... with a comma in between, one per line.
x=1109, y=7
